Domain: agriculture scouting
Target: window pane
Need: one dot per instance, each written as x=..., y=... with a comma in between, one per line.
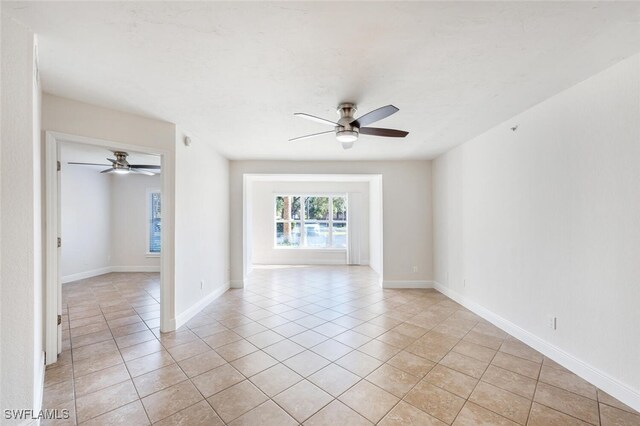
x=279, y=207
x=317, y=234
x=287, y=208
x=296, y=207
x=316, y=208
x=339, y=235
x=288, y=234
x=339, y=208
x=154, y=222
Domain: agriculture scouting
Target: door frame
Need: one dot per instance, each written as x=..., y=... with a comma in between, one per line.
x=53, y=284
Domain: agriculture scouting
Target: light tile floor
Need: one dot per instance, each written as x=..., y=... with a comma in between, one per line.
x=312, y=345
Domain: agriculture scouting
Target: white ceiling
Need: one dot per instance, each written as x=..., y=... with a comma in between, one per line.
x=233, y=73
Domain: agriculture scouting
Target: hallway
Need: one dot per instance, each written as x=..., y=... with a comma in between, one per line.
x=313, y=345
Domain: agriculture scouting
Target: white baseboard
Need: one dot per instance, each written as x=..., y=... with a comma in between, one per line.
x=39, y=387
x=38, y=394
x=170, y=326
x=407, y=284
x=144, y=268
x=85, y=274
x=306, y=261
x=184, y=317
x=236, y=284
x=591, y=374
x=106, y=270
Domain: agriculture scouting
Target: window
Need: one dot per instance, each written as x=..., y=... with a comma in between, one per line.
x=154, y=218
x=311, y=221
x=288, y=221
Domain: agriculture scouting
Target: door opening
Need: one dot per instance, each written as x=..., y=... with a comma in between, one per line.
x=104, y=236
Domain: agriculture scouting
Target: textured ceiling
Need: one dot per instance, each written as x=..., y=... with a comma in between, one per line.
x=233, y=73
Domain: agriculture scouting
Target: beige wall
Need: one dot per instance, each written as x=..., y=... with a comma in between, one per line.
x=202, y=225
x=79, y=118
x=130, y=222
x=85, y=221
x=21, y=304
x=545, y=221
x=406, y=210
x=104, y=222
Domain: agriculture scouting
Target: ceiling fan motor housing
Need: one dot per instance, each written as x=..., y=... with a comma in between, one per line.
x=346, y=132
x=121, y=165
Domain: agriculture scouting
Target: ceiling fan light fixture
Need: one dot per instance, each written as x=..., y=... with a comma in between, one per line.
x=347, y=145
x=121, y=171
x=346, y=136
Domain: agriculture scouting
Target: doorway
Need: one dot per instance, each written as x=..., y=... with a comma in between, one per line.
x=103, y=236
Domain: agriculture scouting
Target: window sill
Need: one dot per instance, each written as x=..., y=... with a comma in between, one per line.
x=152, y=255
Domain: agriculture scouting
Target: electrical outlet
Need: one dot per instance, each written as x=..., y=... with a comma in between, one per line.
x=552, y=322
x=464, y=283
x=415, y=269
x=201, y=284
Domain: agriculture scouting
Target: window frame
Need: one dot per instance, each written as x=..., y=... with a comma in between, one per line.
x=303, y=237
x=148, y=220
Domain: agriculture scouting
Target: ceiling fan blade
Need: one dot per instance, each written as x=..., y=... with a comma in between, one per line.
x=311, y=136
x=376, y=131
x=141, y=172
x=316, y=119
x=375, y=115
x=87, y=164
x=112, y=160
x=145, y=166
x=109, y=170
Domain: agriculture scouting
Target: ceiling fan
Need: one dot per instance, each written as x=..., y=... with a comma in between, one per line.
x=122, y=167
x=348, y=128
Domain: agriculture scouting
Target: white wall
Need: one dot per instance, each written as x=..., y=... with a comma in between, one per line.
x=202, y=226
x=406, y=210
x=546, y=221
x=85, y=209
x=104, y=219
x=129, y=222
x=21, y=352
x=264, y=224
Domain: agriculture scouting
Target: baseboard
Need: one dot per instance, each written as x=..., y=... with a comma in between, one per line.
x=589, y=373
x=312, y=261
x=407, y=284
x=39, y=388
x=236, y=284
x=169, y=327
x=85, y=274
x=184, y=317
x=106, y=270
x=38, y=394
x=144, y=268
